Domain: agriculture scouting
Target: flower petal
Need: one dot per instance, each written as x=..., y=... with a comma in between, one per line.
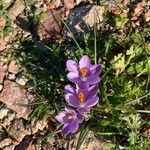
x=69, y=89
x=71, y=127
x=93, y=80
x=60, y=117
x=95, y=70
x=72, y=66
x=93, y=90
x=85, y=62
x=74, y=77
x=83, y=110
x=65, y=129
x=72, y=100
x=74, y=126
x=83, y=85
x=80, y=118
x=92, y=102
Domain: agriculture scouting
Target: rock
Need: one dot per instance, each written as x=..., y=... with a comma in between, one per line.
x=12, y=95
x=21, y=80
x=8, y=119
x=55, y=4
x=37, y=125
x=82, y=19
x=79, y=1
x=18, y=130
x=1, y=87
x=2, y=44
x=69, y=4
x=5, y=142
x=13, y=67
x=147, y=16
x=11, y=77
x=3, y=112
x=16, y=9
x=51, y=24
x=9, y=147
x=2, y=72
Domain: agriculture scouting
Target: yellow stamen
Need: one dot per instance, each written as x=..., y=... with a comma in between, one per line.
x=69, y=117
x=81, y=96
x=83, y=72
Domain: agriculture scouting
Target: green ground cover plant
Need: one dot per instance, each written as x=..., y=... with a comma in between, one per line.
x=123, y=89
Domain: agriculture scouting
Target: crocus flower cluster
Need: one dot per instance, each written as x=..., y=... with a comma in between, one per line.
x=82, y=98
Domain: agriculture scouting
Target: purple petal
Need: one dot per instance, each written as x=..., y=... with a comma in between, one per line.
x=93, y=80
x=93, y=90
x=85, y=62
x=95, y=70
x=74, y=77
x=83, y=85
x=80, y=118
x=70, y=110
x=74, y=126
x=72, y=100
x=72, y=66
x=65, y=129
x=60, y=117
x=92, y=102
x=69, y=89
x=71, y=127
x=83, y=110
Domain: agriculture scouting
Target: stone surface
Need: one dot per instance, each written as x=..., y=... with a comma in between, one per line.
x=5, y=142
x=7, y=120
x=3, y=112
x=51, y=24
x=11, y=77
x=55, y=4
x=21, y=80
x=37, y=125
x=13, y=67
x=82, y=19
x=13, y=95
x=2, y=72
x=18, y=130
x=17, y=8
x=1, y=87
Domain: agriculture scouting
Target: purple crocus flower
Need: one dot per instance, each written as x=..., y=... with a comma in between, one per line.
x=70, y=119
x=83, y=100
x=83, y=74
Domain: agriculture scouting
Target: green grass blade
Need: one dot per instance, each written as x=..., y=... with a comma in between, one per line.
x=83, y=133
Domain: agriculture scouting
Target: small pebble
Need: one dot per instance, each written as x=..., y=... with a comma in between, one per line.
x=1, y=87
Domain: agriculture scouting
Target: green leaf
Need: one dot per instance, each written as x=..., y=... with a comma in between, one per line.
x=139, y=68
x=105, y=122
x=83, y=133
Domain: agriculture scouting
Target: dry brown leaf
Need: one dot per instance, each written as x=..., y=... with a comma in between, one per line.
x=115, y=9
x=138, y=11
x=51, y=6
